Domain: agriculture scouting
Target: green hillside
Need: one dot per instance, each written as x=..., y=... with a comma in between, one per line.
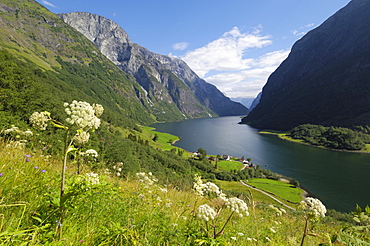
x=70, y=175
x=103, y=209
x=46, y=62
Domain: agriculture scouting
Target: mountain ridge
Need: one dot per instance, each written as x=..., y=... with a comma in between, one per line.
x=324, y=78
x=164, y=77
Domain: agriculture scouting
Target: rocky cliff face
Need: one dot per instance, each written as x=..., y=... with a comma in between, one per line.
x=325, y=79
x=256, y=101
x=167, y=81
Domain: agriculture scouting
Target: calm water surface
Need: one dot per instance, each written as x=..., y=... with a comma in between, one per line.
x=338, y=179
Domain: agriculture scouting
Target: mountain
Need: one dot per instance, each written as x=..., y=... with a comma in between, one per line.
x=246, y=101
x=255, y=101
x=325, y=78
x=44, y=62
x=166, y=81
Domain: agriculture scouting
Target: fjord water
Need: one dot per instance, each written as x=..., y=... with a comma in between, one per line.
x=338, y=179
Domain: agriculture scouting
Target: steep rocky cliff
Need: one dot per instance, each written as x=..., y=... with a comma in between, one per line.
x=326, y=77
x=166, y=80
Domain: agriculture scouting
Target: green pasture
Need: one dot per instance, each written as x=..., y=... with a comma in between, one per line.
x=164, y=140
x=229, y=165
x=281, y=189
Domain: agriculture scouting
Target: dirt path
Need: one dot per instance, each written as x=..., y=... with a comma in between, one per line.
x=249, y=186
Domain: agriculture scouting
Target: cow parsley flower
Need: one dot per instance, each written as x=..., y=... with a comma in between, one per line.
x=81, y=137
x=238, y=206
x=82, y=114
x=207, y=189
x=13, y=129
x=91, y=152
x=278, y=211
x=28, y=133
x=147, y=179
x=92, y=178
x=98, y=109
x=313, y=207
x=206, y=213
x=39, y=120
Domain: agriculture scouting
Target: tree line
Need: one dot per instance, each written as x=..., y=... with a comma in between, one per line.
x=333, y=137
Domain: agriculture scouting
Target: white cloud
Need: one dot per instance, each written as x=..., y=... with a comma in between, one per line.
x=48, y=4
x=299, y=32
x=180, y=46
x=224, y=63
x=225, y=53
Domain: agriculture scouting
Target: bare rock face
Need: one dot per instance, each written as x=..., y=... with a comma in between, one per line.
x=325, y=78
x=168, y=82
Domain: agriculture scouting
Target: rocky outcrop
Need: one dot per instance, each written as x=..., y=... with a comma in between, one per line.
x=256, y=101
x=169, y=84
x=325, y=78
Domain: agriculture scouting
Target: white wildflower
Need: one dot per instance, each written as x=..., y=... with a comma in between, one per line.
x=144, y=178
x=313, y=207
x=273, y=230
x=168, y=204
x=164, y=190
x=82, y=114
x=92, y=178
x=233, y=238
x=14, y=129
x=91, y=152
x=238, y=206
x=39, y=120
x=28, y=133
x=278, y=211
x=81, y=137
x=98, y=109
x=240, y=234
x=207, y=189
x=206, y=213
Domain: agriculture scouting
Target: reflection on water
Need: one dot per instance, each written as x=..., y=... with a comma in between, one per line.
x=339, y=179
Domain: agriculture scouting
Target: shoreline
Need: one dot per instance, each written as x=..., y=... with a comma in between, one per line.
x=279, y=135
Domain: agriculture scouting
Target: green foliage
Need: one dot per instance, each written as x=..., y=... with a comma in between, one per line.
x=126, y=211
x=332, y=137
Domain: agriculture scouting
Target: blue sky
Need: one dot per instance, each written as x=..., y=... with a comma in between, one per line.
x=233, y=44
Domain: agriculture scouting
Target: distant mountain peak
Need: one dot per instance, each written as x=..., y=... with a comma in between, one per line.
x=167, y=80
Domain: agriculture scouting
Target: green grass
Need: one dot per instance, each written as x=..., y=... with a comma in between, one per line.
x=164, y=140
x=236, y=186
x=229, y=165
x=280, y=189
x=124, y=211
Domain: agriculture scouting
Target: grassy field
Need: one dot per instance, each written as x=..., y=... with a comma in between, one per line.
x=110, y=210
x=236, y=186
x=280, y=189
x=164, y=140
x=229, y=165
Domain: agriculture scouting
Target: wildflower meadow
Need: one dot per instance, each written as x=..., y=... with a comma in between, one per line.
x=72, y=199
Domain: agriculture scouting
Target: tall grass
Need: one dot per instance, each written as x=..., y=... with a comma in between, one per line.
x=125, y=211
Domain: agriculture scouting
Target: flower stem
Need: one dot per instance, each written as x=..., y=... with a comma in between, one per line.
x=305, y=231
x=62, y=185
x=223, y=228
